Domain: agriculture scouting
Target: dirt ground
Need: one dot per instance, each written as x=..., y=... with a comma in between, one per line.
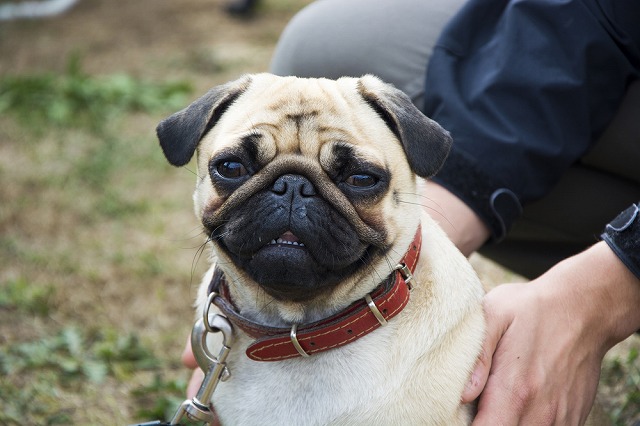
x=157, y=39
x=123, y=272
x=133, y=272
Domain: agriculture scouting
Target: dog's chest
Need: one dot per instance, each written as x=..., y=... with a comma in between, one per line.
x=364, y=383
x=317, y=390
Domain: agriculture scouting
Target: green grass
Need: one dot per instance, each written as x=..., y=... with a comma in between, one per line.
x=18, y=295
x=78, y=354
x=76, y=99
x=160, y=399
x=35, y=372
x=622, y=375
x=79, y=183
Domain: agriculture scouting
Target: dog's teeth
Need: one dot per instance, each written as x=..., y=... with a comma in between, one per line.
x=291, y=243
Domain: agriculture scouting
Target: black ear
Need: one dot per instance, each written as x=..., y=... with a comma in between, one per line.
x=425, y=143
x=180, y=133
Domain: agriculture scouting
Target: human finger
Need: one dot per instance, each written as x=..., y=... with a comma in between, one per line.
x=496, y=325
x=188, y=360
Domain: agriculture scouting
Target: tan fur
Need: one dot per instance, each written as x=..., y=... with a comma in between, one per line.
x=410, y=372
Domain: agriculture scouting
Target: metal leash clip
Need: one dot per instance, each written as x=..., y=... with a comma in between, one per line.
x=198, y=409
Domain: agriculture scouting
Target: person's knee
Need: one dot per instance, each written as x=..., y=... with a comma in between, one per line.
x=391, y=39
x=302, y=47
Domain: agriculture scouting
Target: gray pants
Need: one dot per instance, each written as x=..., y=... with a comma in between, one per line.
x=393, y=39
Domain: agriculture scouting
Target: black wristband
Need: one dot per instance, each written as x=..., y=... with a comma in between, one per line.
x=622, y=235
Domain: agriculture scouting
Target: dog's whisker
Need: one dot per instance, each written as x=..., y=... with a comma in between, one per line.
x=437, y=210
x=214, y=237
x=267, y=301
x=197, y=257
x=193, y=172
x=371, y=270
x=197, y=236
x=424, y=197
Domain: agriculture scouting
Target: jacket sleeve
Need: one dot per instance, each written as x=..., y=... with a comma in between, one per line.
x=525, y=87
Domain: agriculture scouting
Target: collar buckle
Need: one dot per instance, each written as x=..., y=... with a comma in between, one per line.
x=406, y=274
x=375, y=311
x=293, y=335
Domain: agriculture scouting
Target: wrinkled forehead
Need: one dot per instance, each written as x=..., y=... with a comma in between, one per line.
x=313, y=118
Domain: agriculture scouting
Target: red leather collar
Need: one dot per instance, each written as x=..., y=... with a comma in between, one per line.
x=355, y=321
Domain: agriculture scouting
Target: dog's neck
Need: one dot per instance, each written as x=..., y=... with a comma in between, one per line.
x=356, y=320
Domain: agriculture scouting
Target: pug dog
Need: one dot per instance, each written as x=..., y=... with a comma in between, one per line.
x=350, y=306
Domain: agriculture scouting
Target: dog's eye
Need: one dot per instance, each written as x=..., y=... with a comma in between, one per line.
x=361, y=181
x=231, y=169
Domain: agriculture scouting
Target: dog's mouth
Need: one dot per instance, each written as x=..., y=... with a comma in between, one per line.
x=286, y=268
x=296, y=268
x=288, y=239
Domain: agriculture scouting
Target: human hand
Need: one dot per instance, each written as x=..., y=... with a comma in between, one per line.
x=545, y=341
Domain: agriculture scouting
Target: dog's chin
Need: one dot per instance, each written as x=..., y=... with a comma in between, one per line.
x=290, y=273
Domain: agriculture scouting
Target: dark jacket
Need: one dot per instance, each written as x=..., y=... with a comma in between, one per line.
x=526, y=87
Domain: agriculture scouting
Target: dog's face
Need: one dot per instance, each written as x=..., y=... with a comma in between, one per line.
x=305, y=186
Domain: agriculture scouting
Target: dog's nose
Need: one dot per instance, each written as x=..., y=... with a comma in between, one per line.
x=293, y=184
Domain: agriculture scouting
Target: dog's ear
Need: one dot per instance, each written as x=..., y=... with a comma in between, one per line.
x=425, y=143
x=180, y=133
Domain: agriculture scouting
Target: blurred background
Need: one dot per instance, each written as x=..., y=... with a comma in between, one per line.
x=100, y=252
